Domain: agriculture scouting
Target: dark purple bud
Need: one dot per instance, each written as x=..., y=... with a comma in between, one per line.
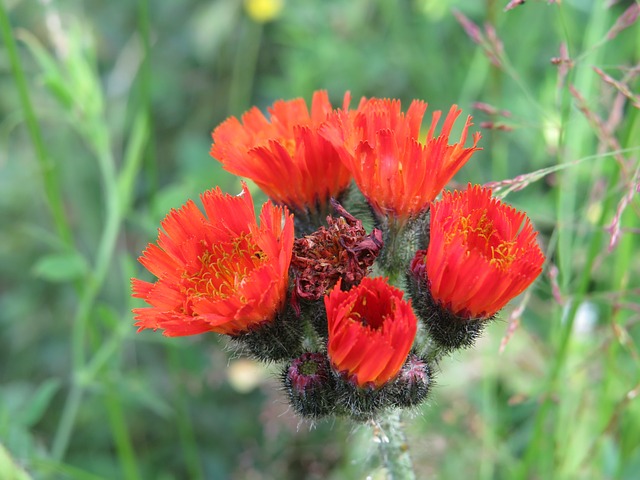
x=310, y=385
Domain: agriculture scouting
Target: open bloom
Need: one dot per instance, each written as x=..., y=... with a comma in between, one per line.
x=371, y=330
x=219, y=272
x=398, y=174
x=285, y=156
x=481, y=253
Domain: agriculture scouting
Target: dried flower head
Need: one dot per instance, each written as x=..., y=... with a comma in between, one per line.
x=342, y=250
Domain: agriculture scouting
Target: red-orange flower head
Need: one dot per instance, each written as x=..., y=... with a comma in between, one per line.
x=398, y=174
x=371, y=330
x=481, y=253
x=219, y=272
x=285, y=156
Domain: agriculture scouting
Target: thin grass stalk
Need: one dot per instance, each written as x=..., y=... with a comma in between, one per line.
x=150, y=164
x=117, y=197
x=575, y=137
x=533, y=452
x=244, y=66
x=185, y=426
x=48, y=169
x=490, y=422
x=119, y=428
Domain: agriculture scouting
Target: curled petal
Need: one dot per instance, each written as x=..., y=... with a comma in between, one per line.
x=371, y=330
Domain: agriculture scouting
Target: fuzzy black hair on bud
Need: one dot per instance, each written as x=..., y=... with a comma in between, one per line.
x=360, y=404
x=280, y=339
x=310, y=385
x=446, y=330
x=413, y=383
x=363, y=403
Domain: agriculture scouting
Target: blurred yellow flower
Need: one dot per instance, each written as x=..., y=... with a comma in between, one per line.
x=245, y=374
x=263, y=11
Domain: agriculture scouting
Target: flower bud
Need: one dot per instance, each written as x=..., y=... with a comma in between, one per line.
x=413, y=383
x=409, y=388
x=310, y=385
x=371, y=331
x=446, y=330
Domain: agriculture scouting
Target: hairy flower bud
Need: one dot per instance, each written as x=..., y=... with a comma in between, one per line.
x=280, y=339
x=310, y=385
x=413, y=383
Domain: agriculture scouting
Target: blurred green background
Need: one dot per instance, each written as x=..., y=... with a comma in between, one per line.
x=106, y=110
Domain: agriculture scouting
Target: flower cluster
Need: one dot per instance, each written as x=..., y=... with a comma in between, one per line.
x=312, y=288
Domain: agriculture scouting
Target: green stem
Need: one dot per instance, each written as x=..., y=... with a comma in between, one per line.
x=394, y=256
x=118, y=198
x=490, y=421
x=68, y=418
x=393, y=447
x=106, y=249
x=47, y=166
x=185, y=426
x=118, y=424
x=89, y=295
x=144, y=26
x=244, y=67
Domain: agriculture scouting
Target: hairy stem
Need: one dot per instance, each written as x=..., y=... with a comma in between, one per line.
x=393, y=447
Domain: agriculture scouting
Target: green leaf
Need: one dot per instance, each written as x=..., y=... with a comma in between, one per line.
x=61, y=267
x=9, y=469
x=37, y=405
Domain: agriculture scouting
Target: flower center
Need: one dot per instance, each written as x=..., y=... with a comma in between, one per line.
x=480, y=234
x=224, y=267
x=370, y=314
x=290, y=146
x=309, y=367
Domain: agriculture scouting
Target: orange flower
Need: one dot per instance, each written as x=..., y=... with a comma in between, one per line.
x=397, y=173
x=371, y=330
x=481, y=253
x=218, y=272
x=285, y=156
